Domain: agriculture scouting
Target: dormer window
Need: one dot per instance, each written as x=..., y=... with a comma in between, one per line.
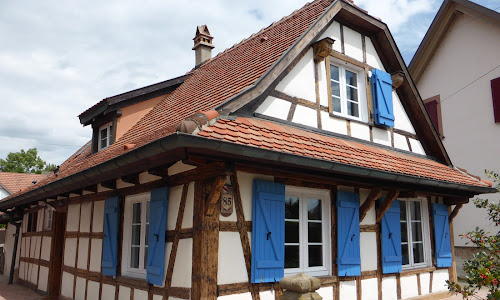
x=347, y=91
x=105, y=135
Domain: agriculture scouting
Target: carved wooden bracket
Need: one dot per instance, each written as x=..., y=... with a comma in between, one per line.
x=386, y=204
x=368, y=204
x=397, y=79
x=214, y=195
x=322, y=49
x=454, y=213
x=90, y=188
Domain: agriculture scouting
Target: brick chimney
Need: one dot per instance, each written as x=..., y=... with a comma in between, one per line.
x=202, y=45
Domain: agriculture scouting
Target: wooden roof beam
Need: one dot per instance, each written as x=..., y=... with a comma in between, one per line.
x=386, y=204
x=454, y=213
x=375, y=193
x=132, y=178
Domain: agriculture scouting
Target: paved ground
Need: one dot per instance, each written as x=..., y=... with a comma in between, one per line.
x=15, y=292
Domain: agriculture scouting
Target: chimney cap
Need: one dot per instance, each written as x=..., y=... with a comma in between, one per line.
x=202, y=30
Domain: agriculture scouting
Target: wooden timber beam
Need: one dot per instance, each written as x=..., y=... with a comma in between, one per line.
x=214, y=195
x=207, y=171
x=454, y=213
x=368, y=204
x=408, y=194
x=110, y=184
x=161, y=171
x=455, y=200
x=78, y=192
x=90, y=188
x=386, y=204
x=132, y=178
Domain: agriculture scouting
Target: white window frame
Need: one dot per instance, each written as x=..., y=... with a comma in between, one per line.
x=424, y=211
x=140, y=272
x=362, y=99
x=108, y=127
x=49, y=213
x=324, y=195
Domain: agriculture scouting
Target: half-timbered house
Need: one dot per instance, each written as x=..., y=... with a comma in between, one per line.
x=304, y=148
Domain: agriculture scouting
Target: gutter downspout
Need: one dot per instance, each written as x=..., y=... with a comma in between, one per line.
x=13, y=263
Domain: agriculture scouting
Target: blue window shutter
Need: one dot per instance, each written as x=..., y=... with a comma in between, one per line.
x=382, y=98
x=156, y=235
x=442, y=235
x=391, y=240
x=268, y=232
x=110, y=239
x=348, y=260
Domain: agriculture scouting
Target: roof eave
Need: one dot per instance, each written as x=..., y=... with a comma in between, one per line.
x=181, y=140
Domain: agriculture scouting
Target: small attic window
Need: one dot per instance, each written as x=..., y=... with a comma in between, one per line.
x=105, y=135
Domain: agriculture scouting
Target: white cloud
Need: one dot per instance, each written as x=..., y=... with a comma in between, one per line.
x=396, y=12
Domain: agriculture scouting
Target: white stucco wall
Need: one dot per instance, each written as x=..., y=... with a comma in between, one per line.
x=464, y=55
x=300, y=83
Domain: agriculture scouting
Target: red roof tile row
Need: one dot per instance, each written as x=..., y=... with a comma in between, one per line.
x=277, y=137
x=16, y=182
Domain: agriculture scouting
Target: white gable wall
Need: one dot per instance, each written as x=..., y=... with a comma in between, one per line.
x=300, y=84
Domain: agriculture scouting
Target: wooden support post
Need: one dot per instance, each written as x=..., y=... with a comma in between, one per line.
x=453, y=269
x=161, y=171
x=386, y=204
x=368, y=204
x=214, y=195
x=205, y=245
x=454, y=213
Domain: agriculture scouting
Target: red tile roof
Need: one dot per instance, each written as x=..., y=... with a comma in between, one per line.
x=18, y=181
x=277, y=137
x=216, y=81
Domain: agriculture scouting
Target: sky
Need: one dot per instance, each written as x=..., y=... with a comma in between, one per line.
x=58, y=58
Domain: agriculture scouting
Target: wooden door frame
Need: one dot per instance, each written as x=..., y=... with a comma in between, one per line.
x=57, y=259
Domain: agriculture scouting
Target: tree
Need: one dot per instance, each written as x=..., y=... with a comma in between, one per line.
x=483, y=269
x=25, y=162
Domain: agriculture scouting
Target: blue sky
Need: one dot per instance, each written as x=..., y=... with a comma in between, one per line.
x=59, y=58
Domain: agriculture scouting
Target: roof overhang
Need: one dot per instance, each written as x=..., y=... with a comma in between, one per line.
x=444, y=18
x=129, y=98
x=173, y=147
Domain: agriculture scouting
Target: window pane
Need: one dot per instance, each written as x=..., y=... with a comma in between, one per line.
x=334, y=72
x=415, y=210
x=145, y=257
x=352, y=94
x=315, y=256
x=352, y=109
x=136, y=235
x=314, y=209
x=402, y=210
x=104, y=133
x=292, y=208
x=351, y=78
x=336, y=104
x=418, y=253
x=404, y=233
x=314, y=234
x=291, y=256
x=136, y=213
x=134, y=257
x=416, y=231
x=335, y=88
x=404, y=251
x=291, y=232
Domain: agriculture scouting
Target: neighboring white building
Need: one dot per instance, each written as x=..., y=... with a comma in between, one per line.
x=457, y=69
x=11, y=183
